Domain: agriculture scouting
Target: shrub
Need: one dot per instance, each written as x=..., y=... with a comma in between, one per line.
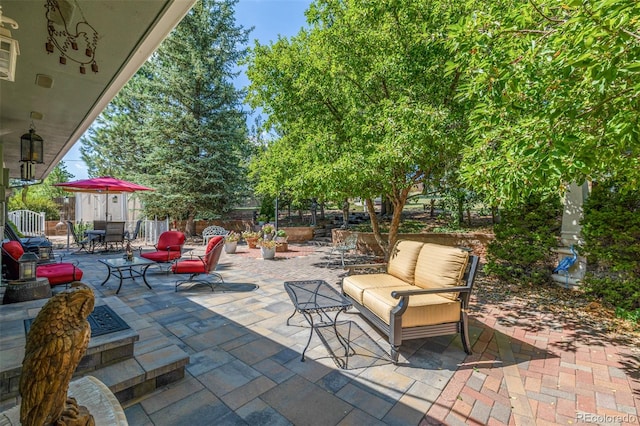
x=522, y=249
x=611, y=232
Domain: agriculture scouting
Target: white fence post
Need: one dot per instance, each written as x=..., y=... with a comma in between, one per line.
x=29, y=223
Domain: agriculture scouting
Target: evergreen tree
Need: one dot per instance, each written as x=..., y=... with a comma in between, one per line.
x=178, y=126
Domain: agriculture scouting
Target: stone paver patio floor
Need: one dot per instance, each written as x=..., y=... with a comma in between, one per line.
x=526, y=369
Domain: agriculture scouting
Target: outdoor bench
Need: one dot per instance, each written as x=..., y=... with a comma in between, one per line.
x=423, y=291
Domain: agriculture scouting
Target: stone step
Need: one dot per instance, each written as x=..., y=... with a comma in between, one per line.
x=130, y=362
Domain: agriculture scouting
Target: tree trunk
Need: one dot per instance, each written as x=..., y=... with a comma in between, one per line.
x=460, y=214
x=190, y=226
x=345, y=213
x=399, y=200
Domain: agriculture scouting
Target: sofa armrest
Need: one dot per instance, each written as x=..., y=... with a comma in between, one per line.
x=401, y=293
x=352, y=268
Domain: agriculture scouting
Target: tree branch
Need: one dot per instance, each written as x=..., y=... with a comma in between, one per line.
x=548, y=18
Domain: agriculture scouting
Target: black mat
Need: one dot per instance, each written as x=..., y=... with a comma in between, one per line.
x=103, y=320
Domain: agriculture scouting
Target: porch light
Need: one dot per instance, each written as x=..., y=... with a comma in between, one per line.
x=114, y=199
x=9, y=49
x=28, y=263
x=31, y=147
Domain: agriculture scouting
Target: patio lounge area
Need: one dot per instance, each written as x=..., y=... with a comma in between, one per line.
x=244, y=363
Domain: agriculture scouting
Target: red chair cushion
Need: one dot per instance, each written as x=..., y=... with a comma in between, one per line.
x=14, y=248
x=191, y=266
x=170, y=240
x=212, y=242
x=161, y=256
x=59, y=273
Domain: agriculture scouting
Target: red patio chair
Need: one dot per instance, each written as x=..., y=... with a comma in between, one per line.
x=168, y=247
x=56, y=273
x=204, y=265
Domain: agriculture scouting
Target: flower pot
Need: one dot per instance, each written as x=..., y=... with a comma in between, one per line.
x=268, y=253
x=282, y=247
x=230, y=247
x=252, y=242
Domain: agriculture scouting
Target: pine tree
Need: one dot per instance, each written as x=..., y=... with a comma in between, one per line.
x=180, y=120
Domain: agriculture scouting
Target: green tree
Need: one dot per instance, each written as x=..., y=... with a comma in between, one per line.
x=556, y=92
x=179, y=126
x=40, y=198
x=114, y=145
x=360, y=102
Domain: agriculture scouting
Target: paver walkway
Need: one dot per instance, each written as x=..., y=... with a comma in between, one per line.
x=527, y=368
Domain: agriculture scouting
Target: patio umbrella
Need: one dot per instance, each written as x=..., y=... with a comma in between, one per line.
x=103, y=185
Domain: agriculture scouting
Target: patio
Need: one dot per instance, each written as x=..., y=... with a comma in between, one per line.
x=528, y=367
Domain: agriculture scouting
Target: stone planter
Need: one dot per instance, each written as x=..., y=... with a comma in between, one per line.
x=268, y=253
x=230, y=247
x=299, y=234
x=476, y=241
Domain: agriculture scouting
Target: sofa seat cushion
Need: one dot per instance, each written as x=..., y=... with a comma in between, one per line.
x=355, y=285
x=424, y=309
x=441, y=266
x=403, y=258
x=59, y=273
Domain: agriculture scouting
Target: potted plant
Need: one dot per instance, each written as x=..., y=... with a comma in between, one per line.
x=267, y=248
x=268, y=231
x=231, y=242
x=281, y=239
x=251, y=238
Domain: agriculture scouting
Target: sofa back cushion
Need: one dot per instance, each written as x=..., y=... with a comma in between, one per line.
x=402, y=262
x=440, y=266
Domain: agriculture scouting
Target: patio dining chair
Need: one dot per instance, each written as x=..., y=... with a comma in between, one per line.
x=114, y=234
x=204, y=266
x=349, y=244
x=131, y=237
x=82, y=243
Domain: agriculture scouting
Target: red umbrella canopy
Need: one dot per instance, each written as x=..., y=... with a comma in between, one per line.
x=102, y=184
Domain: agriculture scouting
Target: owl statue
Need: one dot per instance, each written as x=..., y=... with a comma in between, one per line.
x=56, y=343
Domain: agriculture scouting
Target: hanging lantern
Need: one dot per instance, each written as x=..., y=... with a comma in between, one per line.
x=31, y=147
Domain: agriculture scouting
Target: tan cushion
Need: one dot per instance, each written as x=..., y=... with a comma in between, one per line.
x=355, y=285
x=402, y=261
x=424, y=309
x=441, y=266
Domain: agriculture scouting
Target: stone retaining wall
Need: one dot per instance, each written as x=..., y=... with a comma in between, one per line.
x=476, y=241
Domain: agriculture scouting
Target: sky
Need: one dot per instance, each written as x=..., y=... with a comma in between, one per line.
x=269, y=18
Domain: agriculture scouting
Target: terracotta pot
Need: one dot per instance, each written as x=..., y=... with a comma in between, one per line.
x=252, y=242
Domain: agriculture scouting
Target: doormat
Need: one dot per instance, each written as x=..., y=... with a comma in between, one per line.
x=103, y=320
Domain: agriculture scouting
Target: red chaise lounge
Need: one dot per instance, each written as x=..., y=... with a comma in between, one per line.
x=56, y=273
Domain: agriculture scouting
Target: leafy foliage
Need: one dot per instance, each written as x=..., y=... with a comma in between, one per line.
x=611, y=232
x=555, y=93
x=39, y=198
x=361, y=103
x=524, y=239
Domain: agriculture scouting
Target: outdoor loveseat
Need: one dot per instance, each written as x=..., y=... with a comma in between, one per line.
x=423, y=292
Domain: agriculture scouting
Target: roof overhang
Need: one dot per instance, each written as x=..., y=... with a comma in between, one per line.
x=129, y=31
